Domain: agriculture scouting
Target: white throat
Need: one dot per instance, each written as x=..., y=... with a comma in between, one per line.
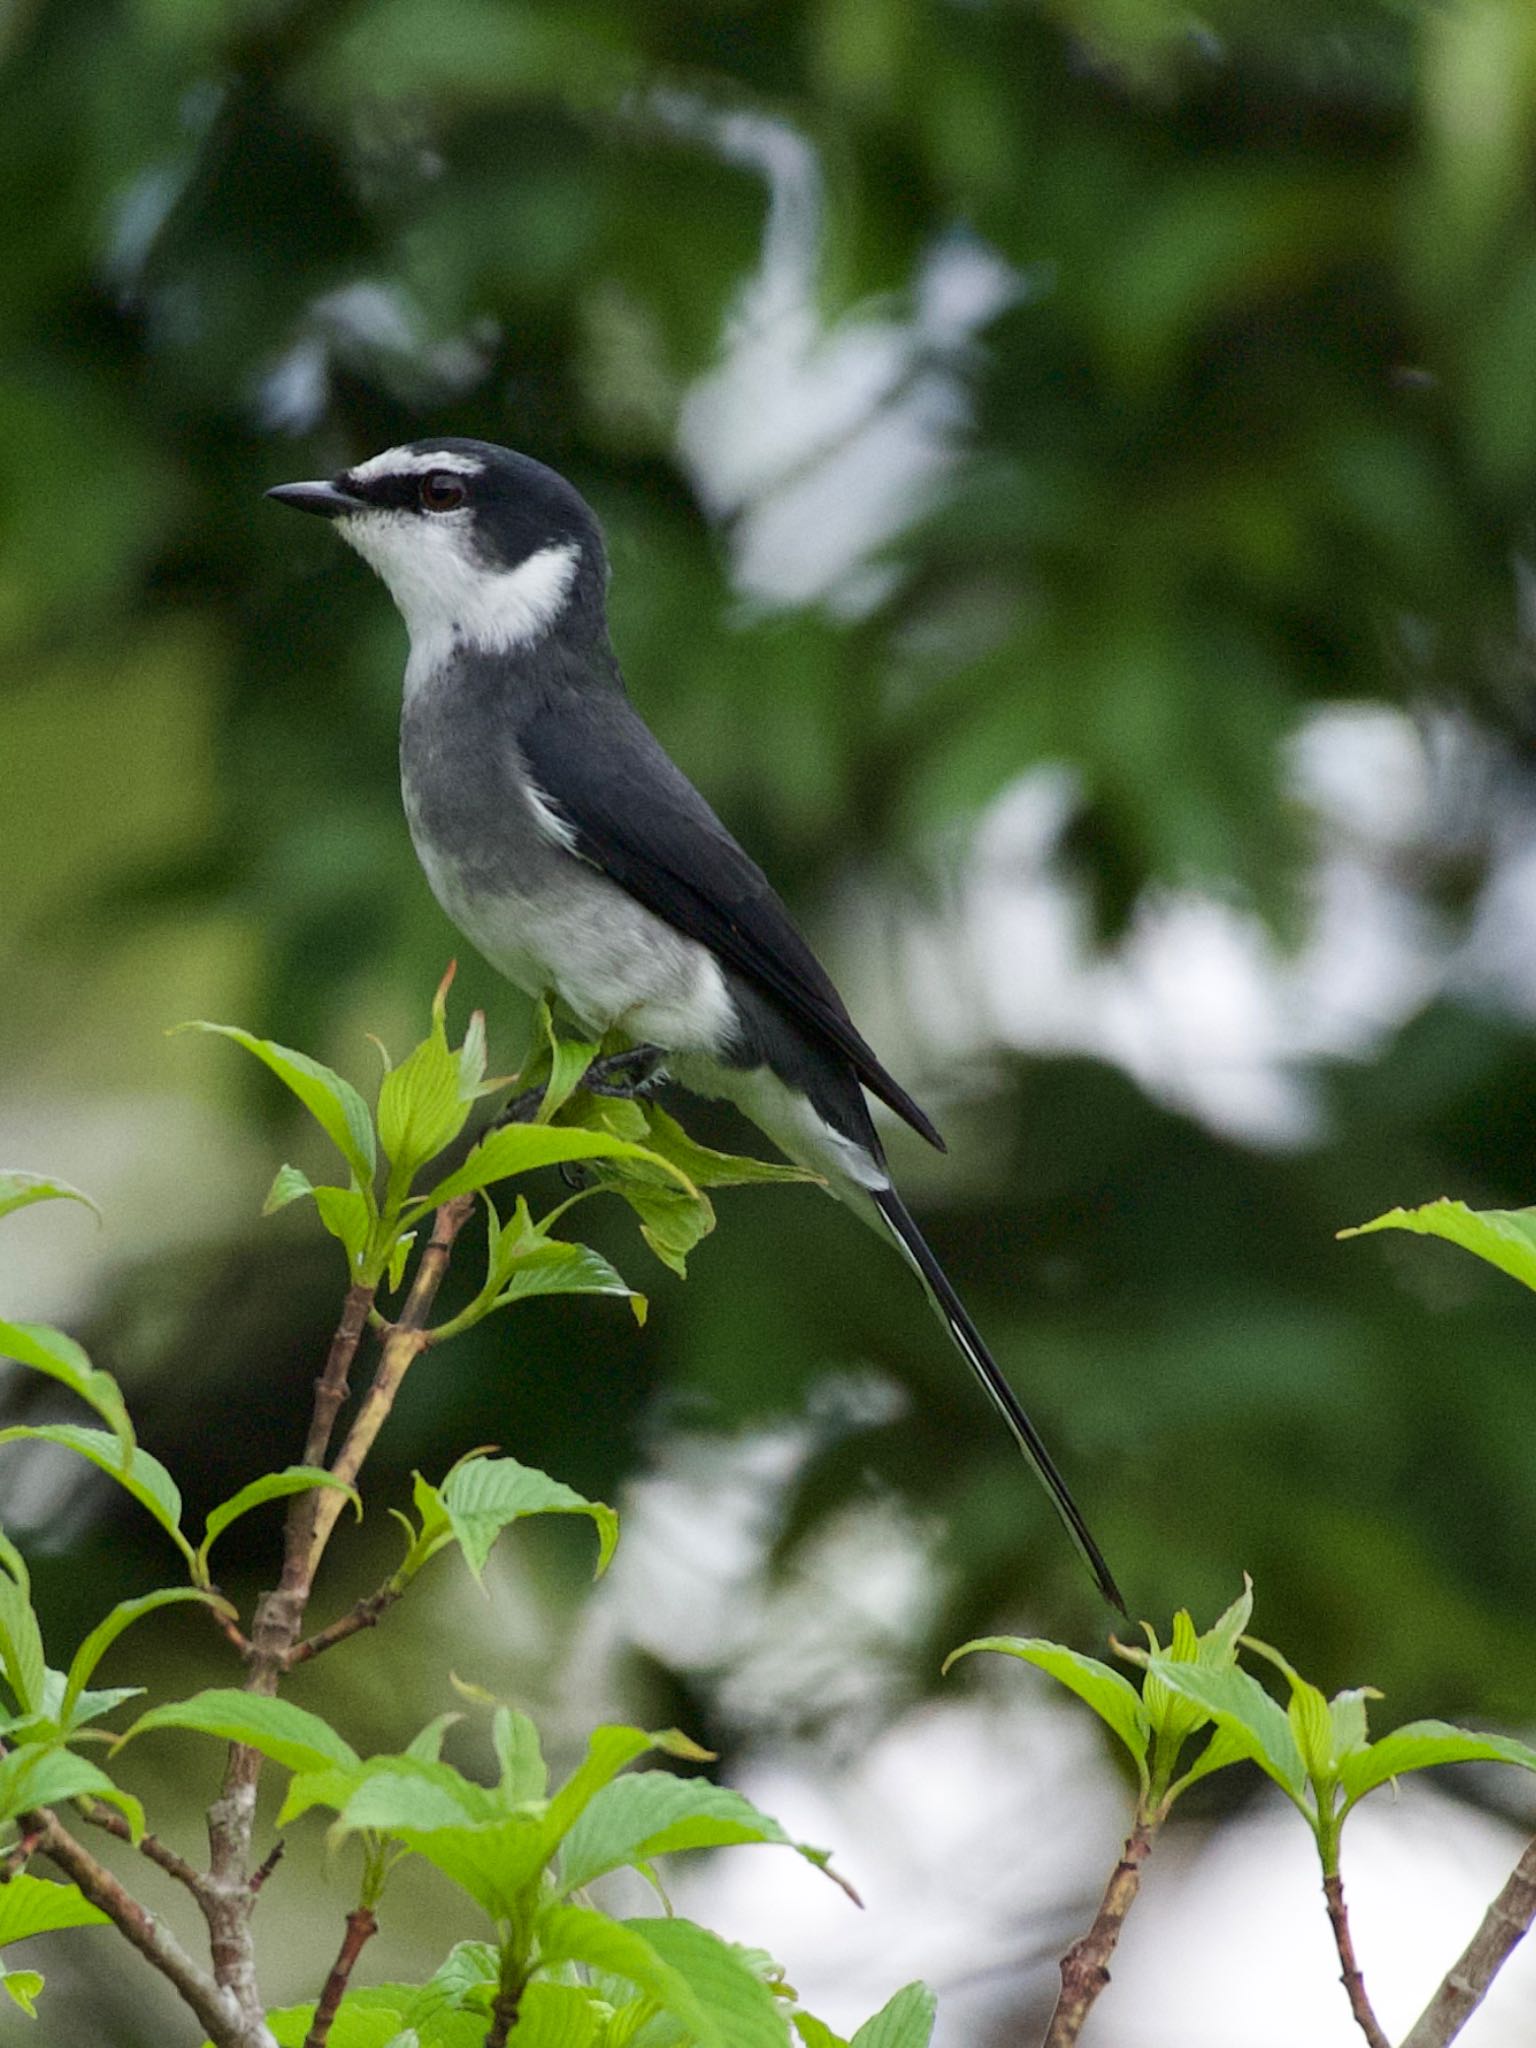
x=447, y=597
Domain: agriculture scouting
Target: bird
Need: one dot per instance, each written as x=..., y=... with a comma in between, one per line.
x=576, y=856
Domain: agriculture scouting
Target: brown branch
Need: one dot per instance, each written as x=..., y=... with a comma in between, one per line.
x=149, y=1846
x=361, y=1928
x=267, y=1865
x=364, y=1615
x=404, y=1341
x=1466, y=1983
x=332, y=1388
x=1085, y=1966
x=1349, y=1969
x=218, y=2010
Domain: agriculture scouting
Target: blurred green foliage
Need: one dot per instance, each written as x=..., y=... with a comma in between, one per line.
x=1254, y=430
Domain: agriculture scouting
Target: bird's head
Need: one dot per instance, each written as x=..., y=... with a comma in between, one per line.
x=478, y=546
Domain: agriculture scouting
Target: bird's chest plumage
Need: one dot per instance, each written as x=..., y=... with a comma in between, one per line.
x=501, y=863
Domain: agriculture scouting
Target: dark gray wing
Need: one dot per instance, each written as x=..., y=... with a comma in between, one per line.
x=636, y=816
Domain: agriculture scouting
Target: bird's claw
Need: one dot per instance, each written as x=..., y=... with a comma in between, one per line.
x=635, y=1072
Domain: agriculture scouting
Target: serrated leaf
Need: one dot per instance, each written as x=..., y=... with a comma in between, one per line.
x=1505, y=1238
x=654, y=1813
x=1113, y=1698
x=20, y=1190
x=144, y=1477
x=288, y=1185
x=289, y=1735
x=107, y=1631
x=1419, y=1745
x=271, y=1486
x=34, y=1776
x=34, y=1905
x=334, y=1103
x=741, y=2005
x=905, y=2021
x=1237, y=1702
x=707, y=1168
x=483, y=1495
x=522, y=1148
x=575, y=1934
x=49, y=1351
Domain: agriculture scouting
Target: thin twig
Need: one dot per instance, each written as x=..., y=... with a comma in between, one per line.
x=1466, y=1983
x=1349, y=1969
x=364, y=1615
x=149, y=1846
x=267, y=1865
x=404, y=1342
x=332, y=1388
x=19, y=1855
x=361, y=1928
x=1085, y=1966
x=218, y=2010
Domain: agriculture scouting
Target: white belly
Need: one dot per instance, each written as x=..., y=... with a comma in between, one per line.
x=615, y=965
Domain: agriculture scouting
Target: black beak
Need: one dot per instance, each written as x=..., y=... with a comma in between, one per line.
x=324, y=499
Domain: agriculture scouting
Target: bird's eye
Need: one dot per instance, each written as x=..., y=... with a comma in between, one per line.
x=441, y=491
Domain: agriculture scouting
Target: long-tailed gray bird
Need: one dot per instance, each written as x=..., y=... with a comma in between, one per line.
x=577, y=856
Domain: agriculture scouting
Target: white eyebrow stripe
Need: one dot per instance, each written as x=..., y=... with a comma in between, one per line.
x=415, y=462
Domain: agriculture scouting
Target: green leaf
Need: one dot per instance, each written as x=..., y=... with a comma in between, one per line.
x=347, y=1214
x=427, y=1745
x=1223, y=1748
x=34, y=1905
x=816, y=2033
x=107, y=1631
x=741, y=2005
x=521, y=1148
x=609, y=1749
x=35, y=1776
x=707, y=1168
x=1238, y=1703
x=673, y=1222
x=289, y=1735
x=20, y=1190
x=556, y=2016
x=575, y=1934
x=1347, y=1713
x=21, y=1642
x=1505, y=1238
x=271, y=1486
x=421, y=1106
x=1420, y=1744
x=552, y=1266
x=654, y=1813
x=523, y=1774
x=1113, y=1698
x=905, y=2021
x=334, y=1103
x=353, y=2027
x=288, y=1185
x=560, y=1062
x=468, y=1968
x=144, y=1477
x=49, y=1351
x=483, y=1495
x=23, y=1986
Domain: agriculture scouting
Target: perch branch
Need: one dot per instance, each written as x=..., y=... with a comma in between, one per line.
x=1085, y=1966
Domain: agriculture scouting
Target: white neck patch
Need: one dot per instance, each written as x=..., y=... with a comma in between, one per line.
x=446, y=595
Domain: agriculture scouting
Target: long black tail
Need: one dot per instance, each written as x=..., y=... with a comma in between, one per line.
x=969, y=1343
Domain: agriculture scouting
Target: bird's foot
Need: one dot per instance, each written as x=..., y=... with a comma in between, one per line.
x=621, y=1075
x=625, y=1075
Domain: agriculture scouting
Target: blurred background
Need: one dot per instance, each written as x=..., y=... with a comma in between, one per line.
x=1069, y=475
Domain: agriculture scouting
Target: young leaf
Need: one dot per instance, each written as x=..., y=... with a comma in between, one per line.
x=33, y=1905
x=1419, y=1745
x=520, y=1148
x=562, y=1060
x=905, y=2021
x=22, y=1986
x=736, y=1999
x=523, y=1775
x=290, y=2027
x=421, y=1106
x=290, y=1735
x=107, y=1631
x=574, y=1934
x=551, y=1266
x=673, y=1222
x=143, y=1476
x=49, y=1351
x=653, y=1813
x=347, y=1213
x=468, y=1969
x=609, y=1749
x=1505, y=1238
x=334, y=1103
x=427, y=1745
x=1114, y=1699
x=1238, y=1703
x=816, y=2033
x=710, y=1169
x=482, y=1495
x=20, y=1190
x=272, y=1486
x=288, y=1185
x=556, y=2016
